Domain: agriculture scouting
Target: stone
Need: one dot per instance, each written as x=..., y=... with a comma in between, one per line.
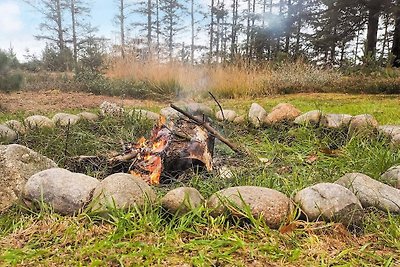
x=121, y=191
x=89, y=116
x=310, y=117
x=38, y=121
x=389, y=130
x=363, y=123
x=335, y=121
x=330, y=202
x=225, y=173
x=64, y=191
x=371, y=192
x=395, y=141
x=239, y=119
x=110, y=109
x=64, y=119
x=230, y=115
x=169, y=113
x=283, y=112
x=15, y=125
x=392, y=176
x=17, y=164
x=198, y=109
x=264, y=203
x=182, y=200
x=257, y=115
x=6, y=134
x=141, y=113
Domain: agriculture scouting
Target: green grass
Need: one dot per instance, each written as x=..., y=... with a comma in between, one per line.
x=153, y=237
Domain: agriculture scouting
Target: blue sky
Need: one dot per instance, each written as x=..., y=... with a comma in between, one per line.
x=19, y=22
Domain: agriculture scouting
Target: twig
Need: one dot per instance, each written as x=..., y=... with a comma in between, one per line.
x=209, y=129
x=219, y=105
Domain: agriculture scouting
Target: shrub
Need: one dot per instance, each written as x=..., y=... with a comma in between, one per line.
x=10, y=78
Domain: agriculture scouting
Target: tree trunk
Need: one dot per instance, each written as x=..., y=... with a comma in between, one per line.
x=122, y=27
x=149, y=28
x=192, y=28
x=158, y=28
x=372, y=32
x=396, y=36
x=211, y=33
x=289, y=26
x=74, y=39
x=234, y=29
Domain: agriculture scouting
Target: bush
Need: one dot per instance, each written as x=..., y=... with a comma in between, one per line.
x=10, y=78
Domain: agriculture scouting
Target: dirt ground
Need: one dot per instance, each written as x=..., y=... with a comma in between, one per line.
x=53, y=101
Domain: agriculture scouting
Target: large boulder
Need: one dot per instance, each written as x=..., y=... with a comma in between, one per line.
x=335, y=121
x=330, y=202
x=270, y=205
x=310, y=117
x=65, y=119
x=64, y=191
x=182, y=200
x=17, y=164
x=283, y=112
x=38, y=121
x=371, y=192
x=121, y=191
x=257, y=115
x=229, y=115
x=392, y=176
x=7, y=134
x=363, y=123
x=141, y=113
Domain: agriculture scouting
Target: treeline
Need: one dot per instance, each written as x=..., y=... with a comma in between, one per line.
x=334, y=32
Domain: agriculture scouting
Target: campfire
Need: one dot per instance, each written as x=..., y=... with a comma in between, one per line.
x=173, y=147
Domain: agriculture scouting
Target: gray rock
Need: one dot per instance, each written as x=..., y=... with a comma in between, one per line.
x=335, y=121
x=257, y=115
x=389, y=130
x=392, y=176
x=141, y=113
x=64, y=119
x=282, y=112
x=363, y=123
x=230, y=115
x=330, y=202
x=64, y=191
x=169, y=113
x=17, y=164
x=15, y=125
x=182, y=200
x=225, y=173
x=310, y=117
x=7, y=134
x=121, y=191
x=268, y=204
x=89, y=116
x=110, y=109
x=198, y=109
x=38, y=121
x=371, y=192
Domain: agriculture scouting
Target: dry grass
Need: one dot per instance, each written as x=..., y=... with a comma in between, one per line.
x=229, y=81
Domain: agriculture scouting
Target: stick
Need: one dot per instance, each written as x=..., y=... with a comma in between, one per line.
x=219, y=105
x=209, y=129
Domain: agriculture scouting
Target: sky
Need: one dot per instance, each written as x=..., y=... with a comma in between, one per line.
x=19, y=22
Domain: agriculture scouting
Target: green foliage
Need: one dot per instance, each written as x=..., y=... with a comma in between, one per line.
x=54, y=59
x=10, y=78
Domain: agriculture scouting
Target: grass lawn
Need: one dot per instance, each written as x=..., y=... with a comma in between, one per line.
x=153, y=237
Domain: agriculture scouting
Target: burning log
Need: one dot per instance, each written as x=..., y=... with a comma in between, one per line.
x=171, y=149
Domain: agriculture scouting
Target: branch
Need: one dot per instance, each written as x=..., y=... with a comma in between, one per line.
x=219, y=105
x=209, y=129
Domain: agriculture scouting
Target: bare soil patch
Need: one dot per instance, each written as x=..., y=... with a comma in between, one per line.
x=55, y=100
